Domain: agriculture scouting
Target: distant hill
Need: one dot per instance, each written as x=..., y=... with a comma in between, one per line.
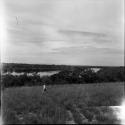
x=19, y=67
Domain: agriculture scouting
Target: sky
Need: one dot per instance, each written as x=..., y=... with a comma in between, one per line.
x=71, y=32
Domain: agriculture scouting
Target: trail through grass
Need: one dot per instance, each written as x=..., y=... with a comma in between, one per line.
x=70, y=119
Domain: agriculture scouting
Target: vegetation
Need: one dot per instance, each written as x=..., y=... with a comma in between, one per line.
x=76, y=90
x=10, y=67
x=18, y=67
x=74, y=76
x=88, y=103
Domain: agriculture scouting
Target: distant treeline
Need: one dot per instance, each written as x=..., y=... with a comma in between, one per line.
x=77, y=75
x=17, y=67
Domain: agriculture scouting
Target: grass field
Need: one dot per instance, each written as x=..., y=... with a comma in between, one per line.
x=86, y=103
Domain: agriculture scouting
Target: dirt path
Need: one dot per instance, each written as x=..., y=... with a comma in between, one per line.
x=83, y=118
x=70, y=119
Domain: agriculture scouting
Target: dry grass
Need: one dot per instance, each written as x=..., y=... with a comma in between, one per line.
x=26, y=105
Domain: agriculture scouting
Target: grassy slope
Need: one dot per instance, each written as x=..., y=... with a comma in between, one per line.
x=27, y=105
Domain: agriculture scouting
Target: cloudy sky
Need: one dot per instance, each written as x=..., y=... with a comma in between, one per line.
x=76, y=32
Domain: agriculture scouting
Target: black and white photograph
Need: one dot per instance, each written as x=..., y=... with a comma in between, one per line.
x=62, y=62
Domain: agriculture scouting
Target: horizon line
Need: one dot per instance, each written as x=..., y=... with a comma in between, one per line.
x=62, y=64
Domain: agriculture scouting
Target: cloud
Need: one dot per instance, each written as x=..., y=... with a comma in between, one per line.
x=83, y=33
x=52, y=31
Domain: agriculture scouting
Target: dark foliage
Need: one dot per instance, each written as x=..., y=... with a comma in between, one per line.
x=87, y=75
x=76, y=75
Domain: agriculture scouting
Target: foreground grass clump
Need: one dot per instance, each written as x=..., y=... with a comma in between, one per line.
x=27, y=105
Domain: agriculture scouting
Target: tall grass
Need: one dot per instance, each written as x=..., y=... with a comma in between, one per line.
x=27, y=105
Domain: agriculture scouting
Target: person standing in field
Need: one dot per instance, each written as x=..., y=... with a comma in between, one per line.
x=44, y=81
x=44, y=88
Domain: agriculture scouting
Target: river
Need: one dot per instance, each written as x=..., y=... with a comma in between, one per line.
x=47, y=73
